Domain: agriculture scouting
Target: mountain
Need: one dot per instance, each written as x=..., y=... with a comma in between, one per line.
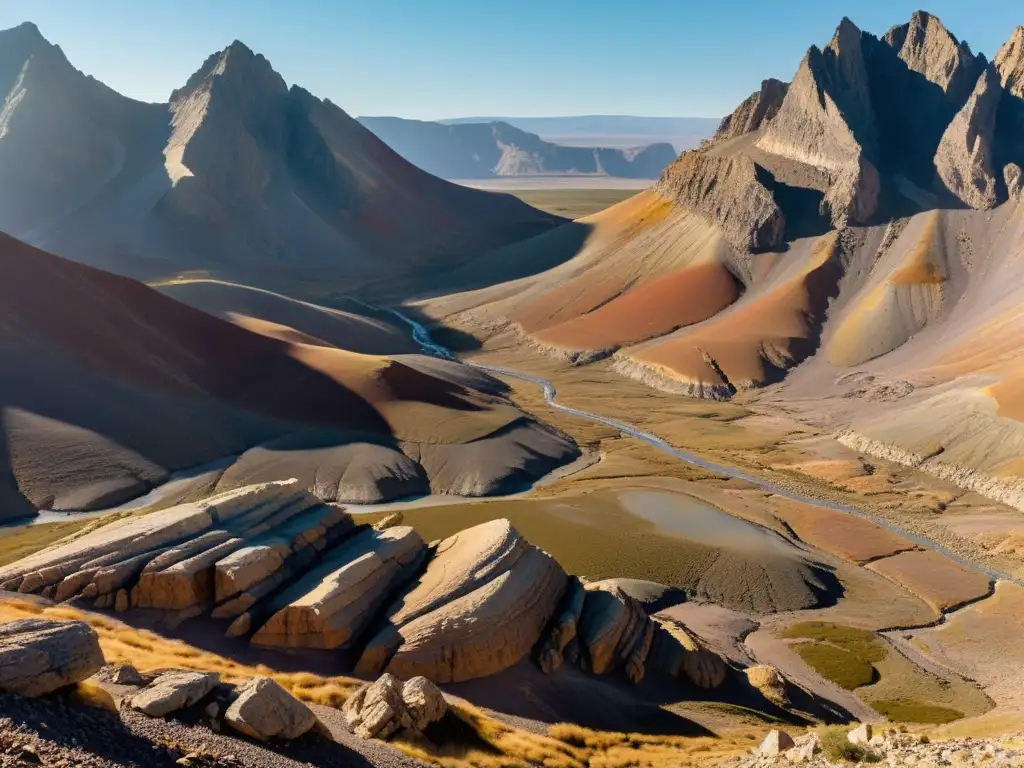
x=486, y=150
x=238, y=174
x=110, y=386
x=608, y=130
x=849, y=247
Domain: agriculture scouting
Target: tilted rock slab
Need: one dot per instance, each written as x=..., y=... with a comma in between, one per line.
x=38, y=656
x=264, y=710
x=332, y=604
x=487, y=630
x=965, y=157
x=471, y=613
x=173, y=692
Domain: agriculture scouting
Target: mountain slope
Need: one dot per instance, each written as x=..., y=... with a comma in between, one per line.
x=109, y=386
x=869, y=217
x=486, y=150
x=238, y=175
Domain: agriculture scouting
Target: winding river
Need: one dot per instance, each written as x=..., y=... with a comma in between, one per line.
x=422, y=337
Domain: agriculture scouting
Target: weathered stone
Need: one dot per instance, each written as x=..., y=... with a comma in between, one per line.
x=332, y=604
x=770, y=682
x=264, y=710
x=562, y=629
x=377, y=710
x=928, y=48
x=861, y=734
x=424, y=701
x=121, y=601
x=395, y=518
x=775, y=743
x=965, y=157
x=38, y=656
x=1014, y=180
x=676, y=652
x=1010, y=63
x=240, y=626
x=174, y=691
x=126, y=674
x=613, y=630
x=487, y=630
x=806, y=747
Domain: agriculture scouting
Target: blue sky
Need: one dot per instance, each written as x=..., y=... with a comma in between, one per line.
x=446, y=58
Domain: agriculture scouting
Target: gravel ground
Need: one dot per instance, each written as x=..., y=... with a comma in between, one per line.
x=57, y=731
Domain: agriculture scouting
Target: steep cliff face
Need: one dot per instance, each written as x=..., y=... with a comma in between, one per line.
x=758, y=109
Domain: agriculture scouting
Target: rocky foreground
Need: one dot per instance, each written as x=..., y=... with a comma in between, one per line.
x=276, y=566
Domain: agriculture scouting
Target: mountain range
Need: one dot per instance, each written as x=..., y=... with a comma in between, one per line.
x=848, y=246
x=490, y=149
x=237, y=174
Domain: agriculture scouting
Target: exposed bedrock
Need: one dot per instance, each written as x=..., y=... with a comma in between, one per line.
x=757, y=110
x=38, y=656
x=287, y=571
x=480, y=607
x=965, y=159
x=728, y=192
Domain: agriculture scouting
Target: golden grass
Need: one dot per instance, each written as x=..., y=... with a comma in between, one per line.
x=572, y=203
x=148, y=651
x=911, y=711
x=16, y=543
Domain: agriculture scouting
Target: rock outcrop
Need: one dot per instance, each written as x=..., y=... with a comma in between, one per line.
x=729, y=192
x=38, y=656
x=678, y=653
x=1014, y=180
x=385, y=707
x=490, y=590
x=264, y=710
x=173, y=692
x=770, y=682
x=965, y=157
x=614, y=632
x=561, y=631
x=757, y=110
x=827, y=121
x=1009, y=62
x=334, y=602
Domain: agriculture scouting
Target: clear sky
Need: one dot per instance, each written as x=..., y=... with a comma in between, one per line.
x=447, y=58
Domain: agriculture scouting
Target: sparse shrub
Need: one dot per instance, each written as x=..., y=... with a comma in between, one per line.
x=837, y=747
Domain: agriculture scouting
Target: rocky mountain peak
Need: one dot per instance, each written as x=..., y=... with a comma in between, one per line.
x=929, y=49
x=236, y=68
x=1010, y=63
x=757, y=110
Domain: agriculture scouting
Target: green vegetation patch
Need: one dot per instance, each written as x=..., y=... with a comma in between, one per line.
x=911, y=711
x=838, y=748
x=573, y=203
x=860, y=642
x=843, y=668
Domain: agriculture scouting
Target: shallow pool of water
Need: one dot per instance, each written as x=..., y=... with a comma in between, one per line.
x=698, y=521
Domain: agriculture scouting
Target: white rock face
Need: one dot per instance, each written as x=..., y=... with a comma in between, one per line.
x=38, y=656
x=264, y=710
x=775, y=743
x=861, y=734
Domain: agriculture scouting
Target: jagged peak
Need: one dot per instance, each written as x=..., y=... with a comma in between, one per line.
x=1010, y=63
x=236, y=64
x=846, y=34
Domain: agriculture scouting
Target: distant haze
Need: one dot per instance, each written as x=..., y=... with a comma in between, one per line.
x=608, y=130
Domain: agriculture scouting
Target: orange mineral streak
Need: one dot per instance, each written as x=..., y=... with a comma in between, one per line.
x=649, y=310
x=775, y=329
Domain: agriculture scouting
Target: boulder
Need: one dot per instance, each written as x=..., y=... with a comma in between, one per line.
x=395, y=518
x=264, y=710
x=775, y=743
x=770, y=682
x=387, y=706
x=425, y=702
x=174, y=691
x=965, y=157
x=676, y=652
x=806, y=747
x=860, y=735
x=377, y=710
x=38, y=656
x=126, y=674
x=614, y=631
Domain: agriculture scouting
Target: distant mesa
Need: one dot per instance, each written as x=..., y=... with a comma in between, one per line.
x=495, y=149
